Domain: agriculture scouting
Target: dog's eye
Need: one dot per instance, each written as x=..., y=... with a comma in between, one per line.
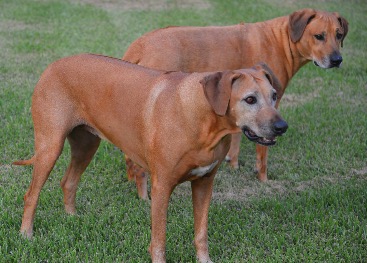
x=275, y=96
x=250, y=100
x=319, y=37
x=339, y=36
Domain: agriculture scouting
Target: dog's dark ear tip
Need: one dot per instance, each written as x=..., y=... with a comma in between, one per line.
x=298, y=21
x=272, y=78
x=267, y=75
x=344, y=24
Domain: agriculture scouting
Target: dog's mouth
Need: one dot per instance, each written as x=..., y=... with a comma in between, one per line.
x=260, y=140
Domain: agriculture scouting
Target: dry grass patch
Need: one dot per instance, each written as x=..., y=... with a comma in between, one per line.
x=242, y=188
x=296, y=100
x=13, y=25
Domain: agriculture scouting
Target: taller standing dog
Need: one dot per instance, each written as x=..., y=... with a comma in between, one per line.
x=285, y=44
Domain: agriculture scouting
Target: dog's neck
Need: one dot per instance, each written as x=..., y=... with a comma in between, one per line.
x=293, y=60
x=217, y=128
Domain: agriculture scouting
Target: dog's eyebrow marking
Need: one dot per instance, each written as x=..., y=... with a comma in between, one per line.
x=201, y=171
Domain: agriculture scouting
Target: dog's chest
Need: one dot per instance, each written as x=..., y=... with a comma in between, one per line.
x=203, y=170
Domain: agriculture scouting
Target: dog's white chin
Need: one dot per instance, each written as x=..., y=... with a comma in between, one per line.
x=319, y=64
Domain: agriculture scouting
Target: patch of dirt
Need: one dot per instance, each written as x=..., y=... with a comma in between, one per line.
x=295, y=100
x=251, y=189
x=7, y=171
x=157, y=5
x=5, y=168
x=245, y=188
x=12, y=25
x=362, y=171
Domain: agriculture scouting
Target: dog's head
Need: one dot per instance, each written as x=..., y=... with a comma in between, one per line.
x=247, y=98
x=318, y=36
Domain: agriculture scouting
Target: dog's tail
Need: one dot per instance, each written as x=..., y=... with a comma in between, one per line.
x=25, y=162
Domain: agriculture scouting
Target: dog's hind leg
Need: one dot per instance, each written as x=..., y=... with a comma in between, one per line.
x=48, y=148
x=139, y=175
x=83, y=147
x=234, y=151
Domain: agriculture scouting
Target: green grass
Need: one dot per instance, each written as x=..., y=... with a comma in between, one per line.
x=314, y=208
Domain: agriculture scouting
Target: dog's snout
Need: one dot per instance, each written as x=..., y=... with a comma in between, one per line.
x=336, y=59
x=280, y=127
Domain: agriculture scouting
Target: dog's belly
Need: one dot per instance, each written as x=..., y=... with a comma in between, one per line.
x=120, y=142
x=95, y=132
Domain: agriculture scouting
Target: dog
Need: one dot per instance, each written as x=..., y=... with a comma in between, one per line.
x=175, y=125
x=285, y=44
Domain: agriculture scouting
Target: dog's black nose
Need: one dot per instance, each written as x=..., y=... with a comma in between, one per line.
x=280, y=127
x=335, y=60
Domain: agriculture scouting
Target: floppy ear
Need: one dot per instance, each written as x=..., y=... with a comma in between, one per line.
x=344, y=24
x=217, y=89
x=269, y=74
x=298, y=22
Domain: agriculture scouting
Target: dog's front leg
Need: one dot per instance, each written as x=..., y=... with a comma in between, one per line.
x=160, y=194
x=201, y=195
x=261, y=162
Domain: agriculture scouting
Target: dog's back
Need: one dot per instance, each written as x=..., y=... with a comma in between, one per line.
x=188, y=49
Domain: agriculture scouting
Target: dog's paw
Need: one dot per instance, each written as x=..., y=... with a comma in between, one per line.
x=26, y=234
x=204, y=260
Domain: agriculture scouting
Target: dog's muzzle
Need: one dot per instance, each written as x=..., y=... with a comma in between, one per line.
x=335, y=60
x=279, y=127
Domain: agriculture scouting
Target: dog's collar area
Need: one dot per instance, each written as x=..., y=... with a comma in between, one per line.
x=260, y=140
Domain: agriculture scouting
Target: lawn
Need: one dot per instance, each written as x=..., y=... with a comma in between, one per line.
x=313, y=209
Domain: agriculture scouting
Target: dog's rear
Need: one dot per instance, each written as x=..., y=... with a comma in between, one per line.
x=72, y=102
